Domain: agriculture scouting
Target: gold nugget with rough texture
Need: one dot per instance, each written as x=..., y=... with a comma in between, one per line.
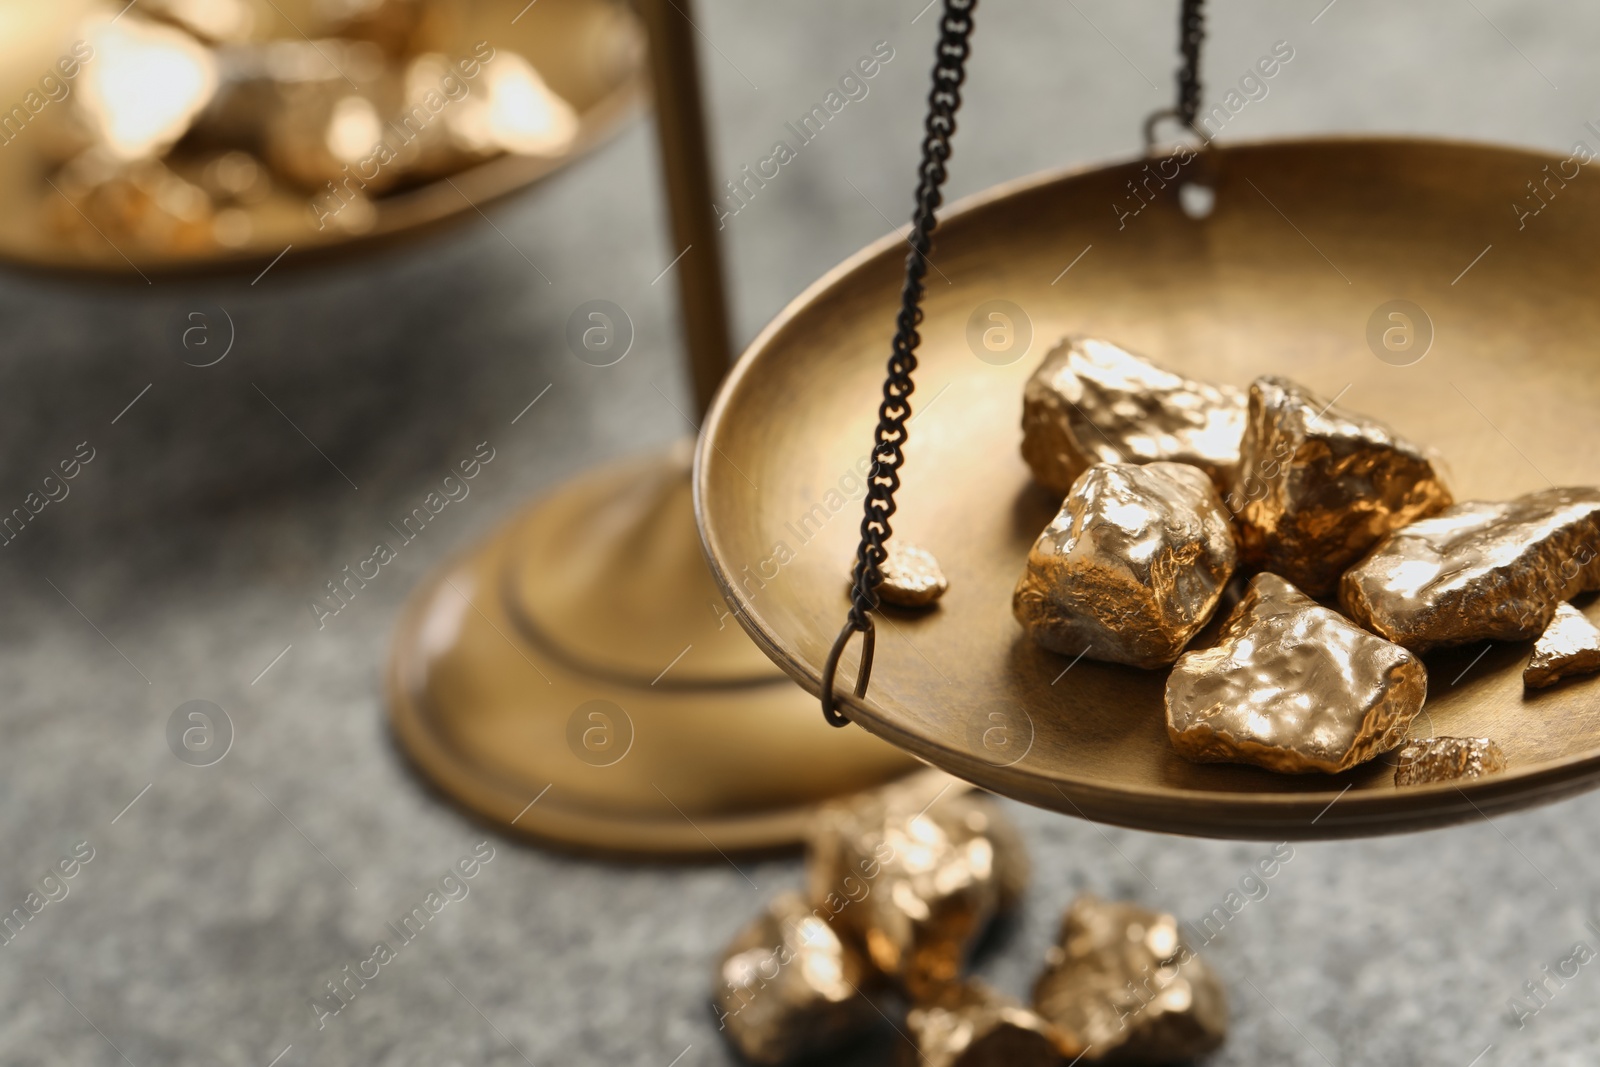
x=915, y=873
x=787, y=986
x=911, y=576
x=972, y=1025
x=1122, y=982
x=1444, y=759
x=1292, y=686
x=1479, y=571
x=1132, y=566
x=1093, y=402
x=1569, y=645
x=1317, y=487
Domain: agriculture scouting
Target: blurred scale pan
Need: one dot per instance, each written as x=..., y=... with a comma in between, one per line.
x=560, y=77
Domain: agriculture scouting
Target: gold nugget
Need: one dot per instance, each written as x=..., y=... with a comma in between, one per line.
x=1444, y=759
x=1479, y=571
x=972, y=1025
x=1569, y=645
x=1093, y=402
x=915, y=873
x=143, y=202
x=145, y=87
x=1131, y=568
x=1317, y=487
x=1292, y=686
x=788, y=987
x=514, y=111
x=911, y=576
x=1122, y=982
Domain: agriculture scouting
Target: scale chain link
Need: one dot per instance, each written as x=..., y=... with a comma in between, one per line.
x=1191, y=35
x=949, y=72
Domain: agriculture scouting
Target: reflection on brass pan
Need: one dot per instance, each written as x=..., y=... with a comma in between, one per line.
x=1131, y=568
x=1569, y=645
x=788, y=987
x=911, y=576
x=915, y=873
x=971, y=1025
x=1093, y=402
x=1292, y=686
x=1479, y=571
x=1318, y=486
x=1122, y=982
x=188, y=132
x=1447, y=759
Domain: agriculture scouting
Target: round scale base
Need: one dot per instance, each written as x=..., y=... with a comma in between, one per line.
x=579, y=679
x=1294, y=272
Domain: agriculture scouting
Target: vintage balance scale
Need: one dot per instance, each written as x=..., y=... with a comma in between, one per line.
x=598, y=592
x=1304, y=239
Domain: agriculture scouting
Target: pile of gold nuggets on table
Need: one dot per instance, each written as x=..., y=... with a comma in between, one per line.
x=1172, y=485
x=184, y=131
x=901, y=885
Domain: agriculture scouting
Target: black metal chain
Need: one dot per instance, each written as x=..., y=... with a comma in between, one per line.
x=1191, y=34
x=888, y=442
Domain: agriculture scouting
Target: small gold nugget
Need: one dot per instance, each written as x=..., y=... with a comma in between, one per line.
x=1569, y=645
x=1093, y=402
x=911, y=576
x=144, y=88
x=1317, y=487
x=1292, y=686
x=1479, y=571
x=1444, y=759
x=972, y=1025
x=788, y=987
x=915, y=873
x=1122, y=982
x=1132, y=566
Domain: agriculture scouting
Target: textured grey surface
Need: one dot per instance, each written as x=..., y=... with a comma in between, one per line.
x=192, y=542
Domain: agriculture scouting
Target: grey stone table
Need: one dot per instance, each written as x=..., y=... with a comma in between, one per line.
x=181, y=564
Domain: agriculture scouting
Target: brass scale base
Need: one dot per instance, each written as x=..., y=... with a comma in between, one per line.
x=599, y=592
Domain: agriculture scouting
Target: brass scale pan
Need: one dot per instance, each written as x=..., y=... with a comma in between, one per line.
x=1307, y=239
x=590, y=52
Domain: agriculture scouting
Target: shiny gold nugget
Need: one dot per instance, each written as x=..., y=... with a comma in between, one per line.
x=1317, y=487
x=915, y=873
x=911, y=576
x=1131, y=568
x=1292, y=686
x=1479, y=571
x=971, y=1025
x=1569, y=645
x=787, y=986
x=1444, y=759
x=1121, y=982
x=1093, y=402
